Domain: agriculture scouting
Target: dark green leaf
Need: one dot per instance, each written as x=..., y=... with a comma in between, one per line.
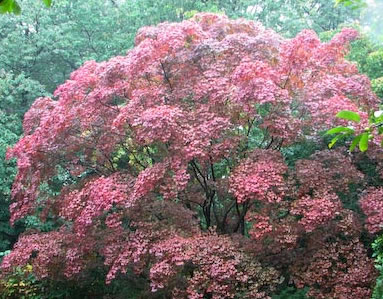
x=363, y=143
x=355, y=142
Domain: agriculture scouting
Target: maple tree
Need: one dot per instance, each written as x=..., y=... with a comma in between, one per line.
x=176, y=166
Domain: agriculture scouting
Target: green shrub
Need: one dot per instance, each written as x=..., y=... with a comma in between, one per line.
x=377, y=86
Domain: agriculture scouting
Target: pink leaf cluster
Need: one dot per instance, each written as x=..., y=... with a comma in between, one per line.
x=372, y=205
x=261, y=179
x=218, y=268
x=343, y=267
x=94, y=199
x=316, y=210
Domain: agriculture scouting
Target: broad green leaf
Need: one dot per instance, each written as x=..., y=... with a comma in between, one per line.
x=340, y=130
x=7, y=6
x=363, y=143
x=348, y=115
x=48, y=3
x=355, y=142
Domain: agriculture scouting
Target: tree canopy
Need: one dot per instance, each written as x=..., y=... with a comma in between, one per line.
x=177, y=165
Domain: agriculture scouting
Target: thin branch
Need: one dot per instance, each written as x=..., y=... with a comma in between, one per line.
x=166, y=76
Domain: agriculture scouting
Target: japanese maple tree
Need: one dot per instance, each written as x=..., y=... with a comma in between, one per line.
x=176, y=168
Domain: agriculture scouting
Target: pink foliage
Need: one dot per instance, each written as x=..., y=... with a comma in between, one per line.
x=174, y=171
x=51, y=254
x=316, y=210
x=342, y=267
x=94, y=199
x=372, y=205
x=218, y=267
x=261, y=179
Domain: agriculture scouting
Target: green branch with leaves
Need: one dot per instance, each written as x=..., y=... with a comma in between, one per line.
x=11, y=6
x=375, y=127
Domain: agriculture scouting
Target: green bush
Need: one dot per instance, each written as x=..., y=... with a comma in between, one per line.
x=377, y=86
x=374, y=64
x=377, y=246
x=20, y=285
x=291, y=293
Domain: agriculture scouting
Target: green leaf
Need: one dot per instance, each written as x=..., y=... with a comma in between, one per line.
x=349, y=115
x=355, y=142
x=353, y=4
x=363, y=143
x=16, y=8
x=334, y=140
x=48, y=3
x=340, y=130
x=7, y=6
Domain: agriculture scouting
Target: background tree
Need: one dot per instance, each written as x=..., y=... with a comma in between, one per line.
x=16, y=95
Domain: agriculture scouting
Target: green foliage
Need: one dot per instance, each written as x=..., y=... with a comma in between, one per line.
x=363, y=142
x=377, y=246
x=290, y=17
x=48, y=3
x=375, y=121
x=301, y=150
x=340, y=130
x=11, y=6
x=374, y=64
x=348, y=115
x=16, y=94
x=48, y=45
x=21, y=284
x=377, y=86
x=353, y=4
x=8, y=126
x=291, y=293
x=355, y=142
x=359, y=52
